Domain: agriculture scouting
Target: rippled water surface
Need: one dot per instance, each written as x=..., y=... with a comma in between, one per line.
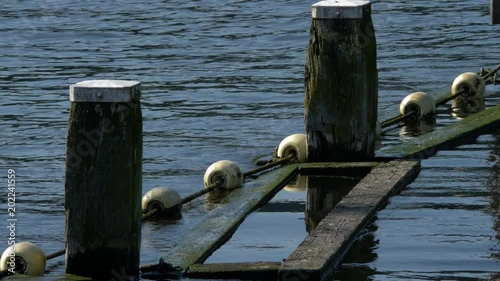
x=224, y=80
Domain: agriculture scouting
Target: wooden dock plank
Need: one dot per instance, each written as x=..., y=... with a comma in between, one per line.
x=241, y=271
x=321, y=252
x=426, y=145
x=220, y=223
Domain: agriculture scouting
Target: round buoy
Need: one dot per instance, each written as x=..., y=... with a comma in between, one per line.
x=225, y=171
x=420, y=102
x=23, y=258
x=294, y=144
x=164, y=198
x=471, y=82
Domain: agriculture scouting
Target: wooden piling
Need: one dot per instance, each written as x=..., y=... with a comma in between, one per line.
x=104, y=179
x=341, y=82
x=495, y=11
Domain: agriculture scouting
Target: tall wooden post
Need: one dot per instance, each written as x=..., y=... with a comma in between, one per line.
x=495, y=11
x=104, y=179
x=341, y=82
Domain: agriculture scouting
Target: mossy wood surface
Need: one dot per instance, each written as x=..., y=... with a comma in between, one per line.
x=341, y=90
x=323, y=249
x=103, y=189
x=424, y=146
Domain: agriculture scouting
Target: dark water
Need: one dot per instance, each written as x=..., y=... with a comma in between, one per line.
x=224, y=80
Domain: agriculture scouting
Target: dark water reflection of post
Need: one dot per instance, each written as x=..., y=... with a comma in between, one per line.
x=494, y=189
x=323, y=193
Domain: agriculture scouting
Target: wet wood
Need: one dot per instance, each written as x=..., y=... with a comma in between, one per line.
x=341, y=83
x=218, y=226
x=337, y=168
x=424, y=146
x=240, y=271
x=103, y=183
x=321, y=252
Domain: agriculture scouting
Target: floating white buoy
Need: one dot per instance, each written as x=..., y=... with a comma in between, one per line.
x=294, y=144
x=420, y=102
x=23, y=258
x=225, y=171
x=471, y=82
x=164, y=198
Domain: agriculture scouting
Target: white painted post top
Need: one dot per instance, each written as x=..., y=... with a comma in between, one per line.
x=341, y=9
x=105, y=91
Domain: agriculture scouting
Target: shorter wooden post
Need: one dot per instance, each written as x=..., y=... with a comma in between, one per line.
x=495, y=11
x=104, y=179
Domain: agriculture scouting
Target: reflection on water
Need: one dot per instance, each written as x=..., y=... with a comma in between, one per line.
x=323, y=193
x=362, y=252
x=277, y=228
x=462, y=107
x=417, y=127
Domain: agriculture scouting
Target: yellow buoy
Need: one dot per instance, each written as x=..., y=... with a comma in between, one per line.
x=164, y=198
x=23, y=258
x=294, y=144
x=420, y=102
x=470, y=82
x=226, y=172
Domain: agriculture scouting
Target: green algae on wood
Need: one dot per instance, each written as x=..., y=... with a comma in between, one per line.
x=240, y=271
x=218, y=226
x=424, y=146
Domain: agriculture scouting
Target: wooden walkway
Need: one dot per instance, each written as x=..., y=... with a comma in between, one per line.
x=321, y=252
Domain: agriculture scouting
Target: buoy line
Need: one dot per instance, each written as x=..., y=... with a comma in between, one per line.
x=418, y=105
